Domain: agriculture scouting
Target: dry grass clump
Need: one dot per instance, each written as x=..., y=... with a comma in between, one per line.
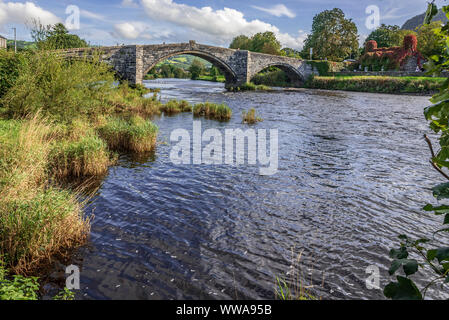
x=86, y=156
x=220, y=112
x=37, y=220
x=174, y=107
x=135, y=134
x=250, y=117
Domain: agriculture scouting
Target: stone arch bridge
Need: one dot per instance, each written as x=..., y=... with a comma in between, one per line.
x=133, y=62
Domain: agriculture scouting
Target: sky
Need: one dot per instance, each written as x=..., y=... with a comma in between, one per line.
x=214, y=22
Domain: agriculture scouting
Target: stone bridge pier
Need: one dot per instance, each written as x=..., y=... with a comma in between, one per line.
x=133, y=62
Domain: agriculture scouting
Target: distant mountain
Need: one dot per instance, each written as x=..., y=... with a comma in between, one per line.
x=413, y=23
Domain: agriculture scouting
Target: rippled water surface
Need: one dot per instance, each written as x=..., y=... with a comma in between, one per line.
x=353, y=174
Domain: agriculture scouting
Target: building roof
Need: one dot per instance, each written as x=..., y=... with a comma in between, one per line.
x=2, y=37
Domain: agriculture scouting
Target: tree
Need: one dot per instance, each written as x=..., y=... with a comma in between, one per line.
x=429, y=42
x=55, y=37
x=333, y=36
x=196, y=69
x=241, y=42
x=385, y=36
x=264, y=42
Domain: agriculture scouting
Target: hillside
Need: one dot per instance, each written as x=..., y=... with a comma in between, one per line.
x=413, y=23
x=21, y=44
x=183, y=61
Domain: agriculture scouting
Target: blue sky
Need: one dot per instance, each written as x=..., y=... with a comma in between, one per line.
x=211, y=22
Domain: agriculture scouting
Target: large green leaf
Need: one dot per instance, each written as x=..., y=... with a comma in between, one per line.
x=441, y=191
x=437, y=210
x=404, y=289
x=410, y=266
x=442, y=254
x=399, y=253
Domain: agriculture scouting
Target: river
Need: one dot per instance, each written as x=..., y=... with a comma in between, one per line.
x=353, y=175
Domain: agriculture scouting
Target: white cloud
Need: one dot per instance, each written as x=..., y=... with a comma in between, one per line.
x=290, y=41
x=129, y=4
x=91, y=15
x=139, y=30
x=127, y=30
x=17, y=12
x=278, y=10
x=219, y=26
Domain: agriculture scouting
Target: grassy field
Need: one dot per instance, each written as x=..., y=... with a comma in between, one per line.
x=213, y=79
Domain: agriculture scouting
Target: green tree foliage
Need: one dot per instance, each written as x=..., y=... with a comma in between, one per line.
x=241, y=42
x=386, y=36
x=428, y=252
x=196, y=69
x=264, y=42
x=429, y=42
x=333, y=36
x=55, y=37
x=292, y=53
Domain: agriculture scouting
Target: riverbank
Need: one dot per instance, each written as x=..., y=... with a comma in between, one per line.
x=377, y=84
x=364, y=83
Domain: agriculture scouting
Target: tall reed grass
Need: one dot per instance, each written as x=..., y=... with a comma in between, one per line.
x=135, y=134
x=220, y=112
x=37, y=220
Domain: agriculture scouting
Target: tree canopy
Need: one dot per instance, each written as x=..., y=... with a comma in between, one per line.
x=196, y=68
x=333, y=36
x=55, y=37
x=264, y=42
x=388, y=36
x=429, y=42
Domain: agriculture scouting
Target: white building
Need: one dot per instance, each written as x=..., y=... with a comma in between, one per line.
x=2, y=42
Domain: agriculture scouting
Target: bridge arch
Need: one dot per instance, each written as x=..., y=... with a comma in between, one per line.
x=295, y=76
x=225, y=69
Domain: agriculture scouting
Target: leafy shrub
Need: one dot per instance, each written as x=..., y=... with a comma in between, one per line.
x=10, y=66
x=18, y=287
x=62, y=90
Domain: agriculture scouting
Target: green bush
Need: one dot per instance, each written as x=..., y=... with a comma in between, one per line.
x=60, y=89
x=10, y=66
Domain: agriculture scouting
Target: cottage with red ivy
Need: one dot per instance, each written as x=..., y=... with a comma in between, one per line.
x=405, y=58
